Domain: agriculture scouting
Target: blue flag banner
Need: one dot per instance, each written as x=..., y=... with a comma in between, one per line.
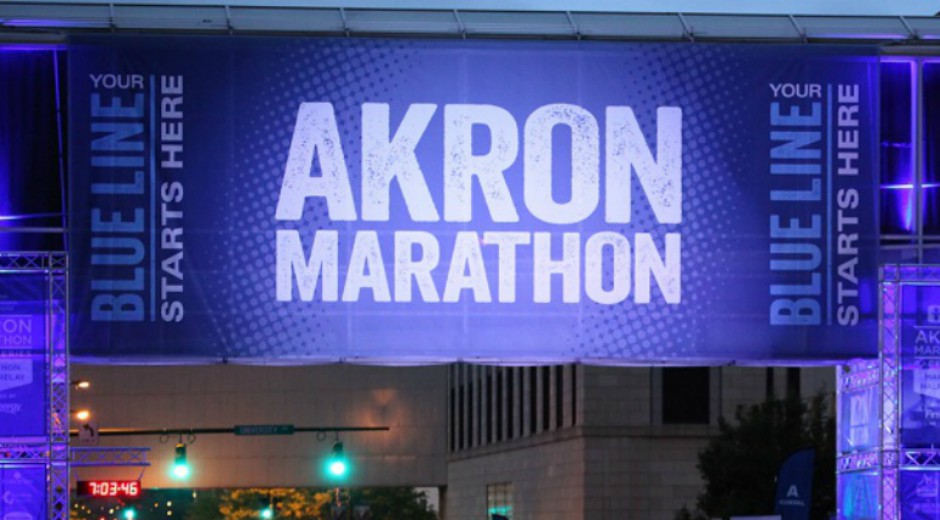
x=397, y=201
x=795, y=486
x=23, y=386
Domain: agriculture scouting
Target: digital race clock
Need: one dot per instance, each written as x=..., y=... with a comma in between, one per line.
x=109, y=488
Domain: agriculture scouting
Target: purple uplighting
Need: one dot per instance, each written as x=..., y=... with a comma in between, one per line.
x=46, y=22
x=899, y=77
x=30, y=47
x=29, y=121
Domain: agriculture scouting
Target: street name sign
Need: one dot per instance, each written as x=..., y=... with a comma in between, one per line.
x=264, y=429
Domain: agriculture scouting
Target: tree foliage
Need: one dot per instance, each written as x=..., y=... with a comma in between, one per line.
x=289, y=503
x=739, y=466
x=206, y=506
x=398, y=503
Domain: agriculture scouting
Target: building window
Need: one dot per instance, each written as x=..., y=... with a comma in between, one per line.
x=500, y=403
x=930, y=184
x=533, y=400
x=473, y=422
x=511, y=402
x=453, y=418
x=898, y=163
x=574, y=395
x=559, y=396
x=546, y=398
x=499, y=501
x=686, y=395
x=490, y=405
x=461, y=443
x=910, y=159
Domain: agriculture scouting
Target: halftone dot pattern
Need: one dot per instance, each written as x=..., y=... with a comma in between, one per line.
x=686, y=76
x=345, y=74
x=241, y=102
x=722, y=101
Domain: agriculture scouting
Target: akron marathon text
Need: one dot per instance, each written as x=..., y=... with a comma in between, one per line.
x=418, y=257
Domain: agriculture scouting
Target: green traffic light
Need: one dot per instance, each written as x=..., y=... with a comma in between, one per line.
x=267, y=513
x=130, y=514
x=180, y=469
x=337, y=466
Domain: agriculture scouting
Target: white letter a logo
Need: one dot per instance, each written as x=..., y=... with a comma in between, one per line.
x=792, y=493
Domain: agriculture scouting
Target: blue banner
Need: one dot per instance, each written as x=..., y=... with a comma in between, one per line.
x=859, y=496
x=400, y=201
x=23, y=381
x=920, y=366
x=919, y=494
x=859, y=419
x=23, y=492
x=794, y=498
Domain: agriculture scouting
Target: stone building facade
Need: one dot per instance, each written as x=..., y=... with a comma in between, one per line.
x=593, y=443
x=565, y=442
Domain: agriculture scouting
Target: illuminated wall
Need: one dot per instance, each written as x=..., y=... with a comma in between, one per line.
x=910, y=160
x=32, y=152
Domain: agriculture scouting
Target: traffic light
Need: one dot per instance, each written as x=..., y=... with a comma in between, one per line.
x=180, y=464
x=129, y=514
x=270, y=505
x=337, y=465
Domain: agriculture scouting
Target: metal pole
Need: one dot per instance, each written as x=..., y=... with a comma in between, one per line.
x=124, y=432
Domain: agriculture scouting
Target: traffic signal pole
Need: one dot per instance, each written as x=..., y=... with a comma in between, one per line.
x=124, y=432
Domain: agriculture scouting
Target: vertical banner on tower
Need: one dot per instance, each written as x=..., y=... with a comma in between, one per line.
x=920, y=366
x=23, y=492
x=919, y=494
x=919, y=488
x=859, y=496
x=23, y=379
x=859, y=420
x=405, y=200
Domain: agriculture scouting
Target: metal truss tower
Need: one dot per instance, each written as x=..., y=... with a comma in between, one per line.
x=48, y=453
x=888, y=415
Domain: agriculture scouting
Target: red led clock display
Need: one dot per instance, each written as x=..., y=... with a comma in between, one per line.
x=109, y=488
